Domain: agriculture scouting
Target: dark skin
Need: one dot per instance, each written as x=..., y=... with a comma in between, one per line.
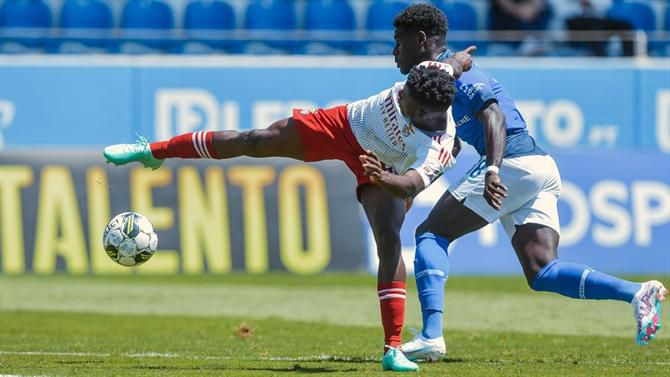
x=535, y=244
x=427, y=118
x=385, y=211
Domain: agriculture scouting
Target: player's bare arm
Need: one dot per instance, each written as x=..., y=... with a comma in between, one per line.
x=404, y=186
x=493, y=120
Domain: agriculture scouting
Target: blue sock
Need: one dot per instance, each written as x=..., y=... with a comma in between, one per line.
x=579, y=281
x=431, y=269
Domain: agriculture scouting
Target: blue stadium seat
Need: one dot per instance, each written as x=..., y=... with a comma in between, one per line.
x=148, y=22
x=639, y=14
x=379, y=22
x=381, y=14
x=26, y=14
x=271, y=15
x=330, y=15
x=462, y=17
x=664, y=49
x=203, y=17
x=95, y=16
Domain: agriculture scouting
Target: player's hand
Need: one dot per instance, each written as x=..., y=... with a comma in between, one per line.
x=465, y=57
x=372, y=165
x=494, y=190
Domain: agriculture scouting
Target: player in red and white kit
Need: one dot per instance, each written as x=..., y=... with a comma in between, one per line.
x=408, y=128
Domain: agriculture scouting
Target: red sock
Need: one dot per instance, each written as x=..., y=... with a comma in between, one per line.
x=392, y=306
x=190, y=145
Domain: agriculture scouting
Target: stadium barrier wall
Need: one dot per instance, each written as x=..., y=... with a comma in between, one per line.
x=567, y=103
x=243, y=215
x=607, y=123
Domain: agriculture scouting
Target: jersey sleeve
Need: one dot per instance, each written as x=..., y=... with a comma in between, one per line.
x=432, y=163
x=475, y=89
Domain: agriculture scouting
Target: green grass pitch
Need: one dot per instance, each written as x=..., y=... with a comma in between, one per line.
x=282, y=325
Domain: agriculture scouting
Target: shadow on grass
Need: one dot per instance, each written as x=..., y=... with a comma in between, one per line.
x=300, y=369
x=296, y=368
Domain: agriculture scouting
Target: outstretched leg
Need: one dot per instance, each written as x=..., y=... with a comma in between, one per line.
x=536, y=247
x=281, y=139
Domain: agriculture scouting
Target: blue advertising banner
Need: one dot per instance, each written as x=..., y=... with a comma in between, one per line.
x=56, y=101
x=65, y=106
x=614, y=212
x=653, y=97
x=244, y=98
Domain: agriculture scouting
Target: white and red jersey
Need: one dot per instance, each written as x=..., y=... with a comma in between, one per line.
x=379, y=126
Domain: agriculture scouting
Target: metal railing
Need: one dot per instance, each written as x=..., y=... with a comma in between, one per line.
x=639, y=40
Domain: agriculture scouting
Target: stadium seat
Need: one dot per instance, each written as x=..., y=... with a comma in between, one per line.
x=462, y=18
x=277, y=15
x=381, y=14
x=93, y=16
x=203, y=18
x=639, y=14
x=379, y=22
x=664, y=47
x=330, y=16
x=23, y=14
x=147, y=22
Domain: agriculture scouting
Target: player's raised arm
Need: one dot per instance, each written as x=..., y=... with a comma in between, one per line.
x=460, y=61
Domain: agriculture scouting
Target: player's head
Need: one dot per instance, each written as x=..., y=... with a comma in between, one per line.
x=427, y=95
x=420, y=33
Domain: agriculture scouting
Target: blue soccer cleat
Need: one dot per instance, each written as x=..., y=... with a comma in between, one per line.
x=647, y=310
x=140, y=151
x=396, y=361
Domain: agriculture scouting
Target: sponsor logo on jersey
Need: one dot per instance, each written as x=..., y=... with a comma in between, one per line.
x=471, y=90
x=407, y=130
x=391, y=125
x=463, y=120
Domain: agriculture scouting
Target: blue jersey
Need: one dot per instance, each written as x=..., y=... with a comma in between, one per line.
x=475, y=90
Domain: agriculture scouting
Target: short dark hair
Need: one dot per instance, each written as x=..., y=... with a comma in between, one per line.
x=423, y=17
x=431, y=85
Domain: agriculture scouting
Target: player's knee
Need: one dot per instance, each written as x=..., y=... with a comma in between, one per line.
x=424, y=227
x=388, y=244
x=532, y=270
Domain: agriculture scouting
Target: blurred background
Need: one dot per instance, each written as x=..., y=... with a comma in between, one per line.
x=349, y=27
x=592, y=80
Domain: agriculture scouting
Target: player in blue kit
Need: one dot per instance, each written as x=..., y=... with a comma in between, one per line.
x=514, y=181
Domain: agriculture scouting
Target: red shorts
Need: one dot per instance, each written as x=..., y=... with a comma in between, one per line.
x=326, y=135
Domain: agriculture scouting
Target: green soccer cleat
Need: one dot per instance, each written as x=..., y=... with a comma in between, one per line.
x=121, y=154
x=396, y=361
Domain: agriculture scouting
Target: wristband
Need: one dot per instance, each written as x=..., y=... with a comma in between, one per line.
x=492, y=168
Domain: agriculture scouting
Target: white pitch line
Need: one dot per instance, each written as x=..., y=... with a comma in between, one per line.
x=172, y=355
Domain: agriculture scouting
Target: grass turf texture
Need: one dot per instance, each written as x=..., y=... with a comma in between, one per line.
x=280, y=325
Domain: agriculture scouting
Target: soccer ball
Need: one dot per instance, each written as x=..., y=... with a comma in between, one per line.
x=129, y=239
